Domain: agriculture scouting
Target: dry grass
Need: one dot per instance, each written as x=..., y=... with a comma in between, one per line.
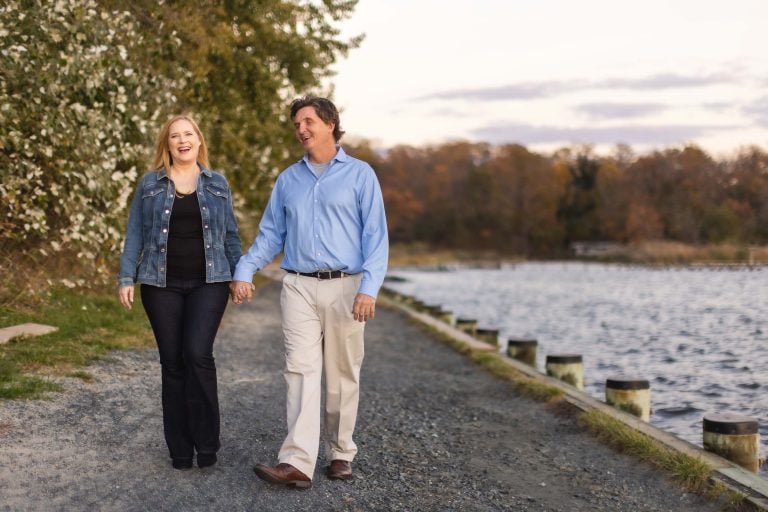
x=651, y=252
x=663, y=252
x=423, y=255
x=691, y=473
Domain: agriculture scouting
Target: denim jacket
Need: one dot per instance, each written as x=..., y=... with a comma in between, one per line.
x=144, y=254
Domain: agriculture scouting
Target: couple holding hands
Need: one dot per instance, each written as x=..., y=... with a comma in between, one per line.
x=326, y=214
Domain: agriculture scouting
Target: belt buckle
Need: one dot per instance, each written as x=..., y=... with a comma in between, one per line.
x=322, y=273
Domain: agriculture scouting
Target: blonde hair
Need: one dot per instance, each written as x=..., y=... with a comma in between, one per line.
x=163, y=152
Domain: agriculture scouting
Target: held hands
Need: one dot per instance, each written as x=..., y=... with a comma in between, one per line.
x=126, y=296
x=241, y=291
x=364, y=307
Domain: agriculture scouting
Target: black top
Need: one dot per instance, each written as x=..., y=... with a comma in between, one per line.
x=186, y=255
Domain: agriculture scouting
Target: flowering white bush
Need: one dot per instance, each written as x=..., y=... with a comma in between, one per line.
x=77, y=118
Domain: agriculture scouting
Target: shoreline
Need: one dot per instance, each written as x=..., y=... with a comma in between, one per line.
x=726, y=473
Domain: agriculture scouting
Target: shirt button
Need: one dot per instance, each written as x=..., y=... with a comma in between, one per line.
x=162, y=268
x=167, y=211
x=206, y=226
x=165, y=230
x=207, y=246
x=162, y=250
x=210, y=264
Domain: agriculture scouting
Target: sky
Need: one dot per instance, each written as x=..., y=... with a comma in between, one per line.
x=551, y=73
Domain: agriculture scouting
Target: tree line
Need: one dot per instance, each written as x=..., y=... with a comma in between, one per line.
x=509, y=199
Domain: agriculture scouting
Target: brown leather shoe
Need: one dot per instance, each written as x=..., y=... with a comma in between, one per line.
x=283, y=474
x=340, y=470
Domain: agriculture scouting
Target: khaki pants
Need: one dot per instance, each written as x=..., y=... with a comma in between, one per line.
x=320, y=333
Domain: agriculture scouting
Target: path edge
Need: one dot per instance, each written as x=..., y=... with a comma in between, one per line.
x=733, y=477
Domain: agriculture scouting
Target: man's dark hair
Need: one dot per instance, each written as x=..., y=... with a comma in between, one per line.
x=325, y=110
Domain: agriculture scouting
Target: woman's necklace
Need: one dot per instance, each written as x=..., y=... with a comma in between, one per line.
x=181, y=195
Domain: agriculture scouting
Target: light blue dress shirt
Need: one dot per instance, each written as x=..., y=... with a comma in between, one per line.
x=334, y=222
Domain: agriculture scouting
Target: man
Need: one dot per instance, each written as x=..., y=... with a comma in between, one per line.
x=326, y=214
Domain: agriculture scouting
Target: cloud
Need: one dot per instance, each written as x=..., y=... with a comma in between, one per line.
x=547, y=89
x=450, y=112
x=758, y=110
x=665, y=81
x=620, y=110
x=520, y=91
x=717, y=106
x=528, y=134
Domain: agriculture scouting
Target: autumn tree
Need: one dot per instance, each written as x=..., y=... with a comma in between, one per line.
x=578, y=206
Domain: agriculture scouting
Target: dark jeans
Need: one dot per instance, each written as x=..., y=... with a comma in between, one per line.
x=185, y=316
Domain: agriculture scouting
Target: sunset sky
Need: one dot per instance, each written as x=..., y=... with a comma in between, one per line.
x=549, y=73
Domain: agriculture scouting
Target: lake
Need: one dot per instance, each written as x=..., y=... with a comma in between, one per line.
x=699, y=335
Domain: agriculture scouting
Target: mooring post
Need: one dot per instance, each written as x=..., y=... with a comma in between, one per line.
x=629, y=394
x=734, y=437
x=488, y=335
x=523, y=350
x=447, y=317
x=467, y=325
x=568, y=368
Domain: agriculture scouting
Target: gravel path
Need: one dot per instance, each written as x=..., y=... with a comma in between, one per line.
x=435, y=432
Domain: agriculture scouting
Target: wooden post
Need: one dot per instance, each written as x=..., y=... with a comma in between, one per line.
x=488, y=335
x=734, y=437
x=523, y=350
x=568, y=368
x=467, y=325
x=447, y=317
x=630, y=395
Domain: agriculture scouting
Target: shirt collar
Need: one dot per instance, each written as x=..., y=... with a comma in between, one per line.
x=162, y=173
x=341, y=156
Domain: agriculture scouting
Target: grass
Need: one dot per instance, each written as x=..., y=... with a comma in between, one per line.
x=89, y=324
x=656, y=252
x=404, y=255
x=691, y=473
x=666, y=252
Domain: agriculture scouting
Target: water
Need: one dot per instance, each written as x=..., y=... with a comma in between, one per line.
x=698, y=335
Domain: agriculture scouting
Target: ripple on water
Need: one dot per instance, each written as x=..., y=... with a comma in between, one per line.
x=674, y=412
x=712, y=391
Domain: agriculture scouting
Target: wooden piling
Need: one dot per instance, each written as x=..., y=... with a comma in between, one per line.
x=629, y=394
x=488, y=335
x=568, y=368
x=734, y=437
x=523, y=350
x=467, y=325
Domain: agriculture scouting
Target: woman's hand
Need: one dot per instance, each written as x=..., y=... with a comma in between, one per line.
x=126, y=296
x=241, y=291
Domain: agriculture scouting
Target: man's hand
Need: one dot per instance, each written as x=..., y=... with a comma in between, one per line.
x=126, y=296
x=241, y=291
x=364, y=307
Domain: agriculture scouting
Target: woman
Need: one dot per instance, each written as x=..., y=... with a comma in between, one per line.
x=182, y=247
